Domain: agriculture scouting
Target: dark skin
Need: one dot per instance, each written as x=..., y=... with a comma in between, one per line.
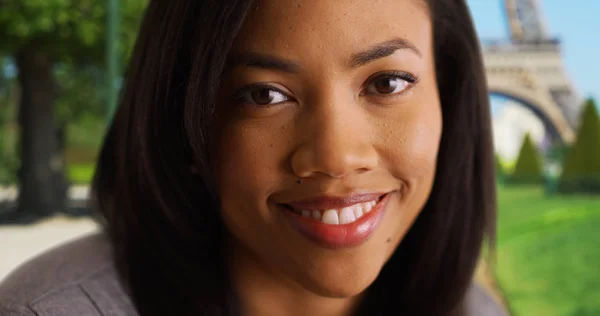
x=342, y=117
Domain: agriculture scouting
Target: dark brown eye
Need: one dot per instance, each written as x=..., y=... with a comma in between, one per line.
x=388, y=85
x=261, y=96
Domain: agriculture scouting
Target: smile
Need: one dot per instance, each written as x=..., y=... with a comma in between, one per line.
x=339, y=216
x=337, y=223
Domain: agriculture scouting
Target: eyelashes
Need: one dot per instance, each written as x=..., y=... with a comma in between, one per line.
x=390, y=83
x=387, y=84
x=265, y=94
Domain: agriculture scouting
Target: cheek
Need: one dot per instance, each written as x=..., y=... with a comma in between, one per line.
x=411, y=147
x=248, y=163
x=410, y=155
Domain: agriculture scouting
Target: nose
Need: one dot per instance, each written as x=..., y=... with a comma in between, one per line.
x=337, y=141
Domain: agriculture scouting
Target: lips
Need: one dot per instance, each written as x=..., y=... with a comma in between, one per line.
x=337, y=222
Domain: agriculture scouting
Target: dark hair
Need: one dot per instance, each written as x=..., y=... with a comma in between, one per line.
x=164, y=220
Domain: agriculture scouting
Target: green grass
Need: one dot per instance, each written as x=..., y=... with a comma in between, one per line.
x=81, y=173
x=81, y=164
x=548, y=253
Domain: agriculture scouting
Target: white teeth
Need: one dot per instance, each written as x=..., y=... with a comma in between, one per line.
x=367, y=207
x=358, y=210
x=316, y=215
x=330, y=217
x=347, y=215
x=341, y=216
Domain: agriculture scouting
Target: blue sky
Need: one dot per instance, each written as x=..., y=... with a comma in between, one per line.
x=575, y=22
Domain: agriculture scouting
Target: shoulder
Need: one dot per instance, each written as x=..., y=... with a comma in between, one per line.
x=479, y=302
x=78, y=278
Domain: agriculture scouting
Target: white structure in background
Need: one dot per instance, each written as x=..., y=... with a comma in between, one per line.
x=529, y=68
x=511, y=123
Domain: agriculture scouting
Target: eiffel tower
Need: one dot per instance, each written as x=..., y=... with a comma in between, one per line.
x=529, y=69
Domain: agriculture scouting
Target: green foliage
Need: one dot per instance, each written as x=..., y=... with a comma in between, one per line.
x=81, y=173
x=72, y=34
x=8, y=155
x=66, y=29
x=81, y=92
x=499, y=167
x=557, y=152
x=79, y=106
x=581, y=169
x=500, y=172
x=8, y=151
x=528, y=169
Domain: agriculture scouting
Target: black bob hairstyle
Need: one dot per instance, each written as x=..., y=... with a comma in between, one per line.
x=164, y=220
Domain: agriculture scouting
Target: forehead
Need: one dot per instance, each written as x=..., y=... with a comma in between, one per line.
x=328, y=28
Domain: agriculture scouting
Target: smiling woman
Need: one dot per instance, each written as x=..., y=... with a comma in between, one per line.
x=281, y=157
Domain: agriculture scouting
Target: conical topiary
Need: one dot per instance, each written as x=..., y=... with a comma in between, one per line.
x=528, y=169
x=581, y=168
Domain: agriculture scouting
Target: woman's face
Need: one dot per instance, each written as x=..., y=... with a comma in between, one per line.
x=328, y=130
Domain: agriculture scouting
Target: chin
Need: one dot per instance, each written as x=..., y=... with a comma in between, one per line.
x=340, y=285
x=343, y=289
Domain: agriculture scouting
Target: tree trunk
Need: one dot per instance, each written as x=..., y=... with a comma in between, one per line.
x=42, y=185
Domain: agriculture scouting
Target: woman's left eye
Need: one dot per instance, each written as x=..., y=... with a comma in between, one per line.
x=390, y=84
x=261, y=95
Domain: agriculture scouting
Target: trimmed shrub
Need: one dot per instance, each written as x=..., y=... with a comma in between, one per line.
x=581, y=168
x=528, y=169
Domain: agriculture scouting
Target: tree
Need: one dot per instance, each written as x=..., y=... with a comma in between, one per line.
x=528, y=169
x=581, y=168
x=40, y=34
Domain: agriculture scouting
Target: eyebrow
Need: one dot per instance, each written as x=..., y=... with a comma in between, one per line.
x=270, y=62
x=265, y=61
x=381, y=50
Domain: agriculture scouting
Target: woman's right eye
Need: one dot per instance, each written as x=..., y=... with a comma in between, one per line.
x=261, y=95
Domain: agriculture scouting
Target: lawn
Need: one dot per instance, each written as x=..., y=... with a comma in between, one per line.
x=81, y=163
x=81, y=173
x=548, y=253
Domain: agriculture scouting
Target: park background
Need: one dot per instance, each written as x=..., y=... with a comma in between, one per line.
x=68, y=52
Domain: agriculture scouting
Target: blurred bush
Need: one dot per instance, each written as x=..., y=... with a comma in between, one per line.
x=528, y=168
x=500, y=171
x=8, y=150
x=581, y=169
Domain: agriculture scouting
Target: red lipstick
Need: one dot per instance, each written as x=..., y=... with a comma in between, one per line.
x=336, y=236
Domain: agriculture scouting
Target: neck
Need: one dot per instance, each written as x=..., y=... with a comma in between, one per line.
x=260, y=290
